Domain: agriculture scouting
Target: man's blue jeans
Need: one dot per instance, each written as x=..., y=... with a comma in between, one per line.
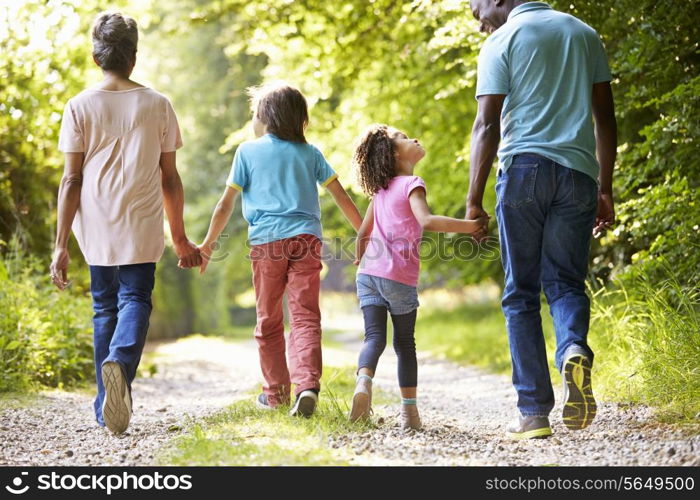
x=545, y=215
x=121, y=297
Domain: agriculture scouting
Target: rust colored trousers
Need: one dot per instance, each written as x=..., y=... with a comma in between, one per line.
x=291, y=264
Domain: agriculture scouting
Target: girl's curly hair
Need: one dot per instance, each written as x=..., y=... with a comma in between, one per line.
x=374, y=158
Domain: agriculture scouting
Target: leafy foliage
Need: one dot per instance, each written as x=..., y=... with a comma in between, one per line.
x=412, y=64
x=45, y=337
x=654, y=54
x=207, y=89
x=42, y=64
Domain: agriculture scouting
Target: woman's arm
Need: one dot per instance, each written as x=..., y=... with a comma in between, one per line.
x=68, y=203
x=345, y=204
x=219, y=219
x=441, y=223
x=364, y=234
x=174, y=201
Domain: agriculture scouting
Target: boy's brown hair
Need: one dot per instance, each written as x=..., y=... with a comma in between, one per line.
x=283, y=110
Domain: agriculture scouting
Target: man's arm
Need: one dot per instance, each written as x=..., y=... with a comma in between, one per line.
x=174, y=200
x=486, y=134
x=606, y=150
x=68, y=203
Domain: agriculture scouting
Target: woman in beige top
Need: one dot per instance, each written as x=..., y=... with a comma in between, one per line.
x=119, y=140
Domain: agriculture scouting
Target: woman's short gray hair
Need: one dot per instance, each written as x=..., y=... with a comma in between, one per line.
x=114, y=40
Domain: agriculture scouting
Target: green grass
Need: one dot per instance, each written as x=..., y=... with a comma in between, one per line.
x=331, y=338
x=470, y=334
x=247, y=332
x=238, y=332
x=13, y=400
x=245, y=435
x=45, y=335
x=646, y=338
x=473, y=334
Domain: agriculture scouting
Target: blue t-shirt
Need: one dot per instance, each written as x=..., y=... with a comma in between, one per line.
x=278, y=183
x=546, y=63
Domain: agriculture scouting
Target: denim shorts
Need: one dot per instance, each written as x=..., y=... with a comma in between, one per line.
x=397, y=297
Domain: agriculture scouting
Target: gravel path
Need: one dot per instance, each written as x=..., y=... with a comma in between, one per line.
x=196, y=377
x=464, y=411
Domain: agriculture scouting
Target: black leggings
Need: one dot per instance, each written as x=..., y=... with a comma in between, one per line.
x=404, y=342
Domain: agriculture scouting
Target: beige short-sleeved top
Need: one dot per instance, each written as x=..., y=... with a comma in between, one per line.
x=122, y=133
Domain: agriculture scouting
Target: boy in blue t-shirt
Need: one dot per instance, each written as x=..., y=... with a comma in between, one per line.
x=277, y=175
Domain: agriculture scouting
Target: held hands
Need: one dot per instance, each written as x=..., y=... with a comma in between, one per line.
x=481, y=218
x=188, y=254
x=481, y=225
x=605, y=217
x=206, y=252
x=207, y=249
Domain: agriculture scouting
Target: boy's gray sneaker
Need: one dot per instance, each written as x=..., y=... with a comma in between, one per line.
x=116, y=408
x=529, y=427
x=579, y=404
x=262, y=403
x=305, y=404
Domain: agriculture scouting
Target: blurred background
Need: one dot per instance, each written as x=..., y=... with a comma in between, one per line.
x=411, y=64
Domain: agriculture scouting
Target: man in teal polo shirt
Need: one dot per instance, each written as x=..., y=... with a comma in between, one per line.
x=543, y=81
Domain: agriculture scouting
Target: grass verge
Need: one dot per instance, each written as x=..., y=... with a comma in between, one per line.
x=242, y=434
x=648, y=339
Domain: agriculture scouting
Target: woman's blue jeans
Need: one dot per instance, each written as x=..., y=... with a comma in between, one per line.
x=121, y=297
x=545, y=216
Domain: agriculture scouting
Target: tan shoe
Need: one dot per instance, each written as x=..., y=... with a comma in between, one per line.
x=116, y=408
x=410, y=419
x=362, y=399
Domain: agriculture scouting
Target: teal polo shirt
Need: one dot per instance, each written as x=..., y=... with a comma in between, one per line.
x=278, y=180
x=545, y=62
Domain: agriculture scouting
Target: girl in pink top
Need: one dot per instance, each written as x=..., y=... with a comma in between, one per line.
x=387, y=253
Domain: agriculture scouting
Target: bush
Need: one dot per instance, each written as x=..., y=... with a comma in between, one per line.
x=45, y=335
x=648, y=336
x=645, y=333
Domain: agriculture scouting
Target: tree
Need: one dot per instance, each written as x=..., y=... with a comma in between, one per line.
x=412, y=64
x=186, y=60
x=43, y=62
x=653, y=50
